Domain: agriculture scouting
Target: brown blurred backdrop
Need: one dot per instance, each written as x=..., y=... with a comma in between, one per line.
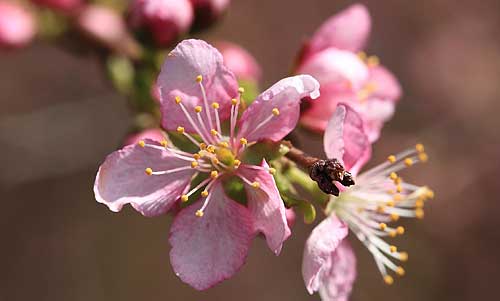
x=59, y=118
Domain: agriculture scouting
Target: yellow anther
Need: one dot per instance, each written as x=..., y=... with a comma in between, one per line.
x=403, y=256
x=178, y=99
x=429, y=194
x=408, y=162
x=234, y=101
x=255, y=185
x=370, y=87
x=199, y=213
x=390, y=203
x=141, y=143
x=394, y=217
x=272, y=170
x=397, y=197
x=224, y=144
x=196, y=156
x=380, y=209
x=204, y=193
x=400, y=230
x=214, y=174
x=164, y=143
x=362, y=55
x=383, y=226
x=391, y=158
x=276, y=112
x=372, y=61
x=399, y=188
x=214, y=132
x=388, y=279
x=148, y=171
x=241, y=90
x=184, y=198
x=400, y=271
x=180, y=130
x=237, y=163
x=203, y=146
x=393, y=249
x=393, y=233
x=199, y=78
x=211, y=149
x=398, y=181
x=393, y=176
x=423, y=157
x=215, y=161
x=215, y=105
x=419, y=213
x=198, y=109
x=419, y=203
x=243, y=141
x=420, y=148
x=391, y=191
x=194, y=164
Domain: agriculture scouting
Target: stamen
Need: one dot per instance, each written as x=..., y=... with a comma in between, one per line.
x=149, y=171
x=215, y=106
x=372, y=61
x=191, y=121
x=256, y=185
x=199, y=79
x=141, y=143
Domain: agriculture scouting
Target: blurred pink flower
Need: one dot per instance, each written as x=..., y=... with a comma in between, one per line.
x=166, y=20
x=330, y=55
x=106, y=26
x=240, y=61
x=152, y=176
x=379, y=197
x=17, y=25
x=67, y=6
x=152, y=134
x=208, y=11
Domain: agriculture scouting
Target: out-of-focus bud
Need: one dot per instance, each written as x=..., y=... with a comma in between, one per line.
x=290, y=217
x=107, y=27
x=239, y=61
x=153, y=134
x=206, y=12
x=65, y=6
x=164, y=20
x=17, y=25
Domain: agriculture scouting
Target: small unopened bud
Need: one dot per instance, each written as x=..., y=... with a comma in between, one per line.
x=164, y=20
x=206, y=12
x=17, y=25
x=327, y=172
x=239, y=61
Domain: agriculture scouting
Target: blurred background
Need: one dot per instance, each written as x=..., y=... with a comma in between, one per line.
x=60, y=117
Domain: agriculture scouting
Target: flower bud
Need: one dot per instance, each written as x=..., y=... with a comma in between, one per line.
x=66, y=6
x=153, y=134
x=107, y=27
x=165, y=20
x=239, y=61
x=206, y=12
x=17, y=25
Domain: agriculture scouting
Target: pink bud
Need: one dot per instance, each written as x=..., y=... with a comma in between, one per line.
x=208, y=11
x=153, y=134
x=239, y=61
x=66, y=6
x=290, y=217
x=106, y=26
x=17, y=25
x=166, y=20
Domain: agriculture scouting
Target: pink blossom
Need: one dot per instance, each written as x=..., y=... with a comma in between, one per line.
x=240, y=61
x=367, y=208
x=166, y=20
x=210, y=238
x=153, y=134
x=107, y=27
x=331, y=56
x=67, y=6
x=208, y=11
x=17, y=25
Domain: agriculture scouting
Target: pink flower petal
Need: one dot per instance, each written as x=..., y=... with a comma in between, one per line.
x=320, y=245
x=374, y=112
x=266, y=206
x=258, y=121
x=153, y=134
x=336, y=281
x=348, y=30
x=178, y=78
x=121, y=179
x=345, y=139
x=333, y=66
x=387, y=86
x=210, y=249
